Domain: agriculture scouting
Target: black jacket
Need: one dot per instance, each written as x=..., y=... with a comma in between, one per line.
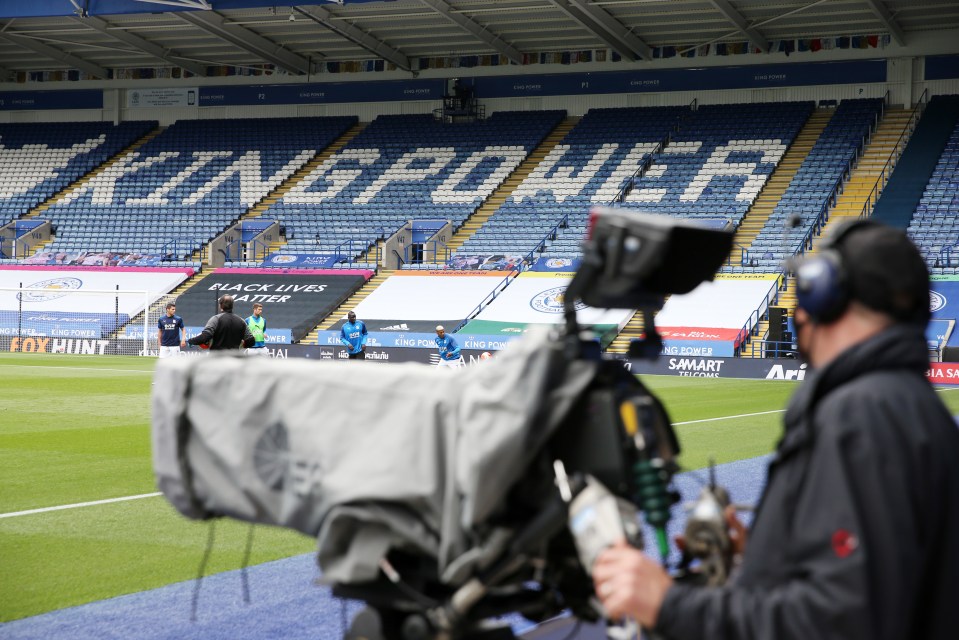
x=225, y=331
x=857, y=533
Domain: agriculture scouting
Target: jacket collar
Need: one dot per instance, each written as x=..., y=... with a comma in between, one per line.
x=900, y=347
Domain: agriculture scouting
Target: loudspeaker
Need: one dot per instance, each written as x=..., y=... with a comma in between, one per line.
x=777, y=324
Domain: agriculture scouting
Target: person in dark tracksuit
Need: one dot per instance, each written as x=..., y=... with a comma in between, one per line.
x=857, y=533
x=225, y=330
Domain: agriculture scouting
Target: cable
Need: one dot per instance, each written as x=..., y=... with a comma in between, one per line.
x=211, y=533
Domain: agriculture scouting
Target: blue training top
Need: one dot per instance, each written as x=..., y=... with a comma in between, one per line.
x=170, y=330
x=353, y=336
x=449, y=350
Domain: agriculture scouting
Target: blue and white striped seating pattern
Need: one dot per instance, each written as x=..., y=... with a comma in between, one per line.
x=39, y=159
x=188, y=184
x=589, y=166
x=402, y=168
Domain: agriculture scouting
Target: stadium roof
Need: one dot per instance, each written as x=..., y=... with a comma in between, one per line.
x=297, y=37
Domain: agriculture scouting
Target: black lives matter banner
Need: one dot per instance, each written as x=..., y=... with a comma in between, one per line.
x=294, y=301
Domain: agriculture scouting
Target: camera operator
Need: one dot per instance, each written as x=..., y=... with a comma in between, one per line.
x=857, y=533
x=225, y=330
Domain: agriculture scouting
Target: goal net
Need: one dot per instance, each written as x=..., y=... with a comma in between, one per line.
x=81, y=321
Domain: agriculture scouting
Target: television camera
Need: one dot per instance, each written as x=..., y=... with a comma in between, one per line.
x=446, y=499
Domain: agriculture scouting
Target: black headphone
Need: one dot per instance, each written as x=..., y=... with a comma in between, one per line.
x=822, y=283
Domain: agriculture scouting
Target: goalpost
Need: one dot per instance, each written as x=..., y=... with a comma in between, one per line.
x=80, y=321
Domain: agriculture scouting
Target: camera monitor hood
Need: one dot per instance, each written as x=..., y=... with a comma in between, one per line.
x=632, y=259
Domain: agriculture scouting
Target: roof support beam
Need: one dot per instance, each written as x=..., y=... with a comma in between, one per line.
x=324, y=17
x=615, y=28
x=755, y=38
x=142, y=44
x=55, y=54
x=882, y=12
x=606, y=28
x=215, y=24
x=476, y=29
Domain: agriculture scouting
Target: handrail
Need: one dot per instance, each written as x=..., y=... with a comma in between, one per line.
x=435, y=244
x=175, y=243
x=399, y=259
x=550, y=235
x=498, y=289
x=893, y=159
x=259, y=248
x=641, y=169
x=823, y=215
x=751, y=326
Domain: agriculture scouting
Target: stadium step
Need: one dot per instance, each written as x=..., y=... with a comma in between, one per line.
x=274, y=196
x=374, y=254
x=499, y=196
x=633, y=330
x=755, y=219
x=340, y=312
x=872, y=171
x=301, y=173
x=39, y=210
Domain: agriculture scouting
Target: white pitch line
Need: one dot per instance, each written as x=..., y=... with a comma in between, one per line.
x=40, y=366
x=742, y=415
x=14, y=514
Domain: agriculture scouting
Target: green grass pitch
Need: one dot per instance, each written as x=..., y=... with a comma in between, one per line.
x=75, y=429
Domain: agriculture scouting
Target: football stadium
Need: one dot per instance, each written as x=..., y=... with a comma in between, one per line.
x=626, y=226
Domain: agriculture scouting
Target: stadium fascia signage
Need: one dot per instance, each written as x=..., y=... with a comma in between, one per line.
x=46, y=344
x=694, y=367
x=705, y=367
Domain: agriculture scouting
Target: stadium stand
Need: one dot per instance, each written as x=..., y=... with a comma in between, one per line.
x=401, y=168
x=935, y=225
x=906, y=187
x=719, y=160
x=37, y=160
x=185, y=186
x=803, y=208
x=591, y=165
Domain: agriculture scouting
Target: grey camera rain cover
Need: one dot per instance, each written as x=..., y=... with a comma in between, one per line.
x=366, y=457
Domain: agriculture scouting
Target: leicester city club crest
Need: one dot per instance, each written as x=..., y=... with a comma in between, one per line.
x=551, y=301
x=936, y=301
x=53, y=288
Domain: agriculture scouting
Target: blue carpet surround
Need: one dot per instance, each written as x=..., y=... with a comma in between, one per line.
x=285, y=602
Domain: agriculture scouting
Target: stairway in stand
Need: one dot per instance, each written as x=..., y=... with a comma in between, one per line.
x=758, y=213
x=773, y=190
x=274, y=196
x=633, y=330
x=856, y=191
x=499, y=196
x=340, y=312
x=868, y=171
x=40, y=209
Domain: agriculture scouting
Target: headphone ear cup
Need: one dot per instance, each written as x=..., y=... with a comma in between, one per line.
x=821, y=288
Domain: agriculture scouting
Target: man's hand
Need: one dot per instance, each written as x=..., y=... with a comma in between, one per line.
x=737, y=531
x=630, y=584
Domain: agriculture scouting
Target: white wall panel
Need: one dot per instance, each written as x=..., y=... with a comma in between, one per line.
x=939, y=87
